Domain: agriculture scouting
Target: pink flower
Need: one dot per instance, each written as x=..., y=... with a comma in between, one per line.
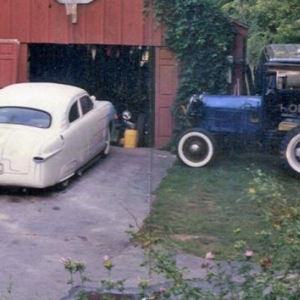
x=248, y=253
x=209, y=255
x=107, y=262
x=105, y=258
x=162, y=290
x=63, y=260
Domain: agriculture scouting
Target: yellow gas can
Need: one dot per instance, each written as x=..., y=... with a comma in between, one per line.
x=130, y=138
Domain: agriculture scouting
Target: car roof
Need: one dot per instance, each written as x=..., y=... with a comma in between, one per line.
x=40, y=95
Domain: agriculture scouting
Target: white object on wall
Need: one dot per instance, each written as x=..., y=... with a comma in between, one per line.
x=71, y=7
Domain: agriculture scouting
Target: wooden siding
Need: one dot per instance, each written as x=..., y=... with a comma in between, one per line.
x=118, y=22
x=9, y=50
x=166, y=87
x=106, y=22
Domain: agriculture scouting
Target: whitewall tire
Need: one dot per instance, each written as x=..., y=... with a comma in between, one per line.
x=196, y=148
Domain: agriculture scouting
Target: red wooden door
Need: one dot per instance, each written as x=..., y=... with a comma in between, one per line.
x=9, y=50
x=166, y=83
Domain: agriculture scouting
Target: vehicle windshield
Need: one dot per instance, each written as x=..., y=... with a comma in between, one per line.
x=25, y=116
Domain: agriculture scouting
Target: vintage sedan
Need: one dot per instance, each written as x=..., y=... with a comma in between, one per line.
x=49, y=132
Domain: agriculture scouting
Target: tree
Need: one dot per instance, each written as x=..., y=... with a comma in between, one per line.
x=269, y=21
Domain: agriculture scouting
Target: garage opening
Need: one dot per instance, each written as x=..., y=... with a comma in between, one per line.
x=123, y=75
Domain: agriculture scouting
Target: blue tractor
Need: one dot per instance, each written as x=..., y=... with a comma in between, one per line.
x=270, y=118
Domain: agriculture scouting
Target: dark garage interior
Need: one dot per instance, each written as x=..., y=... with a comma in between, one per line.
x=123, y=75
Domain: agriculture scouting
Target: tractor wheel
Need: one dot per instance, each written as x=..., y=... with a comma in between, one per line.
x=290, y=152
x=195, y=148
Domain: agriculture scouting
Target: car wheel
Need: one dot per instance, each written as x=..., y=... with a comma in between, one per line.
x=290, y=152
x=62, y=185
x=196, y=148
x=106, y=150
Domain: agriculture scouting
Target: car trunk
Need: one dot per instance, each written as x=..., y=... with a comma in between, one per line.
x=16, y=148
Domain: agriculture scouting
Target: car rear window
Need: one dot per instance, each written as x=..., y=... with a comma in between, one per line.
x=86, y=104
x=25, y=116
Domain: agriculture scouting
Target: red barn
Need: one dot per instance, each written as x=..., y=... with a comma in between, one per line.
x=109, y=47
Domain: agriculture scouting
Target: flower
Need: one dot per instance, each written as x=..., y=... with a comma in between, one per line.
x=144, y=283
x=105, y=257
x=68, y=264
x=248, y=254
x=209, y=255
x=64, y=260
x=107, y=262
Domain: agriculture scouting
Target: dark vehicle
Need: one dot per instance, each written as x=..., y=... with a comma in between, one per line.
x=272, y=119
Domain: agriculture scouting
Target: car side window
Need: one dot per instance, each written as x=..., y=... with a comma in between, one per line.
x=86, y=104
x=74, y=112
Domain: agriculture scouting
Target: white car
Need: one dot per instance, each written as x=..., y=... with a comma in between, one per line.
x=49, y=132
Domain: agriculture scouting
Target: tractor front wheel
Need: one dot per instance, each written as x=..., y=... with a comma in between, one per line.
x=196, y=148
x=290, y=152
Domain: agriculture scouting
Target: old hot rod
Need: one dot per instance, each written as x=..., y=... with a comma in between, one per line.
x=271, y=118
x=49, y=132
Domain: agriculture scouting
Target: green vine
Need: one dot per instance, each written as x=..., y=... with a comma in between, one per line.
x=201, y=37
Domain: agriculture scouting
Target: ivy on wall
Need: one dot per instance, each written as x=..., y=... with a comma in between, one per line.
x=201, y=37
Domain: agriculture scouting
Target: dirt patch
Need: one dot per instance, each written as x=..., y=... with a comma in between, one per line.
x=210, y=206
x=184, y=237
x=205, y=239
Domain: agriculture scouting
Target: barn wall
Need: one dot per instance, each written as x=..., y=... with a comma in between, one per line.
x=118, y=22
x=106, y=22
x=9, y=57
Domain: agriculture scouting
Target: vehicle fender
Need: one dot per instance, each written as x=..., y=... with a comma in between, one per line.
x=50, y=148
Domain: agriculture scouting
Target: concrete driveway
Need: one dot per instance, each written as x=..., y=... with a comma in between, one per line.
x=85, y=222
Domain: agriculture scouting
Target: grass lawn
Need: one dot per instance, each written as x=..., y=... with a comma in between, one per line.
x=209, y=209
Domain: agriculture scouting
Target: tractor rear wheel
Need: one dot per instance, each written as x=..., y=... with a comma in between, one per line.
x=290, y=152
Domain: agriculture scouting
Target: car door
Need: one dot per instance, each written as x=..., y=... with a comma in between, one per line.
x=75, y=141
x=94, y=126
